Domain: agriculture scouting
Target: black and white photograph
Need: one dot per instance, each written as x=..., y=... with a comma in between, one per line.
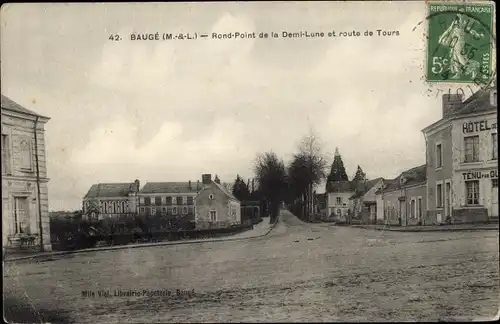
x=279, y=161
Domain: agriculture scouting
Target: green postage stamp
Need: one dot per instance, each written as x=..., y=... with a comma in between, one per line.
x=460, y=44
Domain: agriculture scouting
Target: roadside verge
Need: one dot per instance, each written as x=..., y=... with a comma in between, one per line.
x=260, y=232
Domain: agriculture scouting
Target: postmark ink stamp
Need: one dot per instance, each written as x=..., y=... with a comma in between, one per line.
x=460, y=43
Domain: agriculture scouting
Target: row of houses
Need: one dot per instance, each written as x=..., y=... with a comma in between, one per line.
x=207, y=204
x=457, y=184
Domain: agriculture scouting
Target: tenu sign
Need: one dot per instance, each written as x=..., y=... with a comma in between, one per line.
x=474, y=175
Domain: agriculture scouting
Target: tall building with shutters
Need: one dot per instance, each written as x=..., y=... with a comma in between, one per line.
x=462, y=160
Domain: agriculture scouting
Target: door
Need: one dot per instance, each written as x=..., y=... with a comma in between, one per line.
x=494, y=198
x=447, y=197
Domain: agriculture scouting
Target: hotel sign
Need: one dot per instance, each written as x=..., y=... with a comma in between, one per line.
x=478, y=126
x=475, y=175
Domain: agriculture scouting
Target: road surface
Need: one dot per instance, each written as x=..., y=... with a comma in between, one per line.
x=299, y=272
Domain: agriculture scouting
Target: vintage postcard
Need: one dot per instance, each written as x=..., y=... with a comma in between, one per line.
x=249, y=162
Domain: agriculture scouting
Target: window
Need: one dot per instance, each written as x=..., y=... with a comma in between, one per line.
x=494, y=183
x=169, y=200
x=147, y=201
x=472, y=192
x=174, y=211
x=153, y=211
x=184, y=200
x=339, y=200
x=439, y=156
x=5, y=155
x=141, y=200
x=25, y=154
x=494, y=142
x=190, y=200
x=164, y=209
x=213, y=215
x=21, y=218
x=471, y=145
x=184, y=210
x=233, y=213
x=179, y=200
x=439, y=196
x=124, y=207
x=142, y=209
x=339, y=212
x=118, y=207
x=152, y=201
x=158, y=201
x=211, y=197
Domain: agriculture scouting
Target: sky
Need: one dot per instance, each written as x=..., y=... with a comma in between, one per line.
x=172, y=110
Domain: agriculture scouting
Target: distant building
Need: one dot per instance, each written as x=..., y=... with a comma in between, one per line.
x=364, y=202
x=339, y=205
x=111, y=200
x=173, y=200
x=403, y=201
x=462, y=160
x=216, y=207
x=24, y=177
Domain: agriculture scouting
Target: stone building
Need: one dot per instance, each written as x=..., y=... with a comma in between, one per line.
x=363, y=202
x=402, y=202
x=339, y=205
x=25, y=209
x=111, y=200
x=171, y=200
x=216, y=207
x=462, y=160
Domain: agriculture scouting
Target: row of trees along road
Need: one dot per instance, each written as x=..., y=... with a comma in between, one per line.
x=294, y=183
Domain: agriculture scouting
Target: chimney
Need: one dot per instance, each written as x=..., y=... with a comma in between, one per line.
x=198, y=185
x=206, y=179
x=137, y=185
x=189, y=185
x=451, y=103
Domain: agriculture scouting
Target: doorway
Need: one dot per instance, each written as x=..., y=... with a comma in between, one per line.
x=494, y=198
x=447, y=197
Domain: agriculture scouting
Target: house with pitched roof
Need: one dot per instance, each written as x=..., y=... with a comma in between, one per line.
x=403, y=200
x=338, y=203
x=216, y=207
x=462, y=159
x=25, y=207
x=364, y=202
x=172, y=200
x=111, y=200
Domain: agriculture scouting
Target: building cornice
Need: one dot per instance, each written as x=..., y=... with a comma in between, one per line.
x=442, y=123
x=25, y=116
x=23, y=178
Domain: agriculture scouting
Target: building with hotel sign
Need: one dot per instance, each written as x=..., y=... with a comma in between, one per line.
x=462, y=160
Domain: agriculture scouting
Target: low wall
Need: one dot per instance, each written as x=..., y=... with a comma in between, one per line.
x=469, y=215
x=83, y=241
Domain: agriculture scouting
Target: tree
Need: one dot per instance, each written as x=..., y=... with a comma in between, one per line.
x=217, y=180
x=337, y=172
x=360, y=175
x=307, y=170
x=271, y=177
x=240, y=189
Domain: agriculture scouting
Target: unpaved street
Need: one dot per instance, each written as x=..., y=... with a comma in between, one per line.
x=300, y=272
